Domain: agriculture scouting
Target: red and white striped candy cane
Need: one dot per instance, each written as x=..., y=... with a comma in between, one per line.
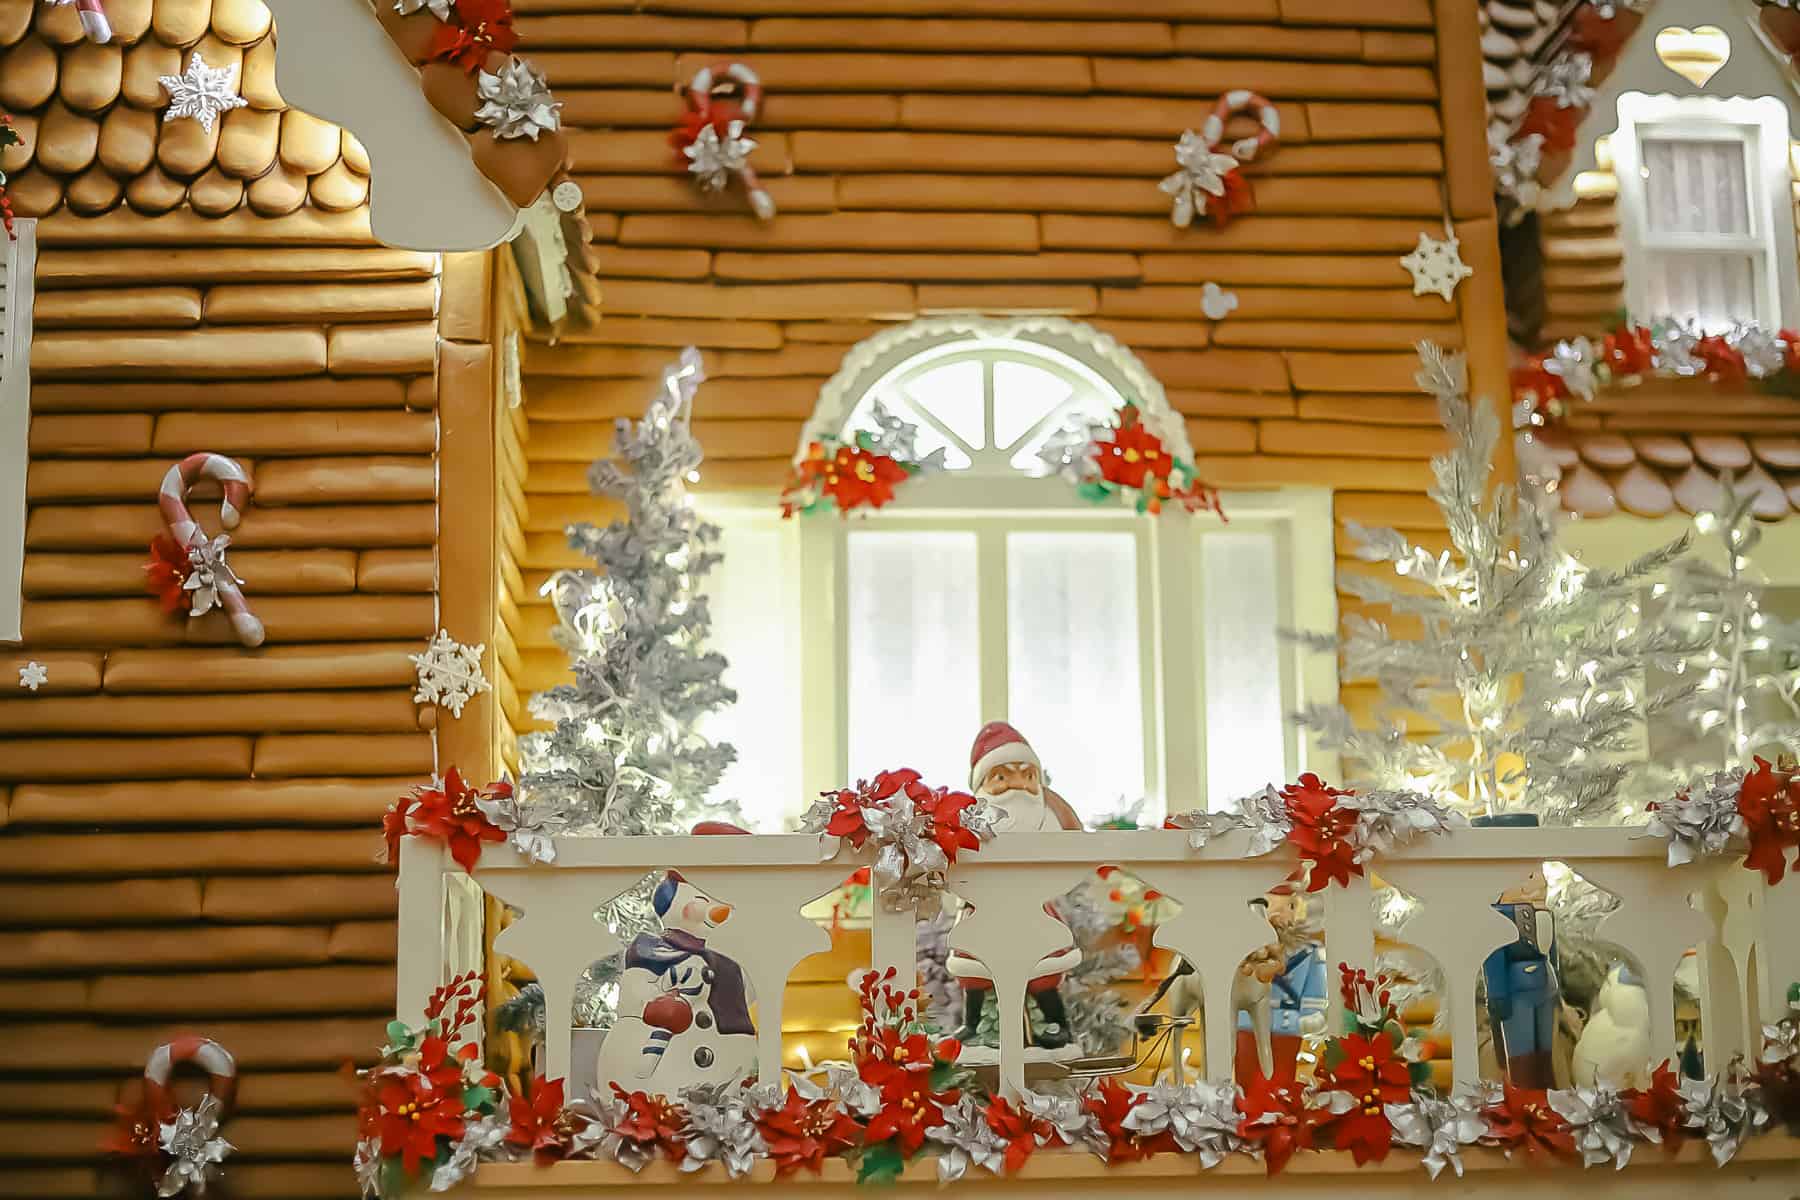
x=208, y=1055
x=1237, y=101
x=750, y=92
x=93, y=20
x=186, y=532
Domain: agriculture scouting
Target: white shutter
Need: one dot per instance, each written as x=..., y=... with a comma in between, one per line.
x=18, y=263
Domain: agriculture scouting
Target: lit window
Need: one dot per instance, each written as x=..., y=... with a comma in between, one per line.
x=18, y=258
x=1140, y=655
x=1706, y=209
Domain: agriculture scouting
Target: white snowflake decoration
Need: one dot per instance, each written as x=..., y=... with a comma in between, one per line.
x=202, y=92
x=1437, y=266
x=34, y=675
x=1200, y=174
x=449, y=673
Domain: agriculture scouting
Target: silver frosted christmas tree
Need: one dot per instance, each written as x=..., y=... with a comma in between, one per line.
x=1528, y=666
x=626, y=756
x=1746, y=667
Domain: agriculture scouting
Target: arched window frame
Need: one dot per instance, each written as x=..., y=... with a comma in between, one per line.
x=813, y=550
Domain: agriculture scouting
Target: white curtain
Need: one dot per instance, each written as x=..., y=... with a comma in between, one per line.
x=914, y=649
x=751, y=596
x=1240, y=594
x=1698, y=188
x=1074, y=681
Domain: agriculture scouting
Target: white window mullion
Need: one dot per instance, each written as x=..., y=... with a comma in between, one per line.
x=824, y=698
x=995, y=677
x=18, y=268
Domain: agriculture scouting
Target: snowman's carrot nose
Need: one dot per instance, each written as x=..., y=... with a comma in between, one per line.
x=717, y=913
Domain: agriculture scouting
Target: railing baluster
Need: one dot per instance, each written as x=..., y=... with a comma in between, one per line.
x=419, y=959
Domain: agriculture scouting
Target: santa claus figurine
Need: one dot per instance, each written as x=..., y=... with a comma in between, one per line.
x=1005, y=772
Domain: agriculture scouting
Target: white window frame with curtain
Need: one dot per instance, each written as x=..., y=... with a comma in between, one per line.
x=806, y=618
x=1758, y=129
x=18, y=267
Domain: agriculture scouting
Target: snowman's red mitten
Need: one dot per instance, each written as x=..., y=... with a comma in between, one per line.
x=669, y=1012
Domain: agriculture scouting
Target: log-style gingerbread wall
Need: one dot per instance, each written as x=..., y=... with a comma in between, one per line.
x=1003, y=158
x=190, y=830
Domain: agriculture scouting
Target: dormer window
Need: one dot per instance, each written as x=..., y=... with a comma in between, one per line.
x=1706, y=210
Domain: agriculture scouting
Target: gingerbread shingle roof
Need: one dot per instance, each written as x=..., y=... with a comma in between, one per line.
x=91, y=116
x=1661, y=448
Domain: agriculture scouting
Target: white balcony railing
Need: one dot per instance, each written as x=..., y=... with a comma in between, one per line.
x=1746, y=931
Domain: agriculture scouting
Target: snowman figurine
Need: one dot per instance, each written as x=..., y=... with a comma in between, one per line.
x=684, y=1009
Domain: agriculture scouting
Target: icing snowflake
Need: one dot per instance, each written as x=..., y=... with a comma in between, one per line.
x=449, y=673
x=34, y=675
x=202, y=92
x=1437, y=266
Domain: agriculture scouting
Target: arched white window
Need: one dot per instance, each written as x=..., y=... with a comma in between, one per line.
x=993, y=590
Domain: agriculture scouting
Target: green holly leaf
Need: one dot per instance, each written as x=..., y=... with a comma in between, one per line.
x=393, y=1177
x=1333, y=1055
x=478, y=1098
x=1420, y=1073
x=881, y=1163
x=1095, y=491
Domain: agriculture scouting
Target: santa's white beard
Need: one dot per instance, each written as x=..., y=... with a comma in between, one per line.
x=1025, y=811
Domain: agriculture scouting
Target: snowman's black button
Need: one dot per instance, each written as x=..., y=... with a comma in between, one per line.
x=703, y=1057
x=703, y=1020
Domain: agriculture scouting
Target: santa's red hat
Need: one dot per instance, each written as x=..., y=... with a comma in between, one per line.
x=998, y=743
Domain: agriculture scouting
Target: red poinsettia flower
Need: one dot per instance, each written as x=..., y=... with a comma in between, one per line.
x=1629, y=352
x=1544, y=390
x=481, y=27
x=1659, y=1106
x=1110, y=1103
x=539, y=1123
x=1373, y=1076
x=1724, y=362
x=449, y=813
x=1275, y=1118
x=1020, y=1130
x=1321, y=831
x=393, y=823
x=945, y=809
x=1551, y=121
x=167, y=572
x=908, y=1109
x=1769, y=803
x=443, y=1069
x=651, y=1121
x=892, y=1057
x=1602, y=31
x=136, y=1135
x=1779, y=1086
x=853, y=476
x=1133, y=454
x=804, y=1133
x=1523, y=1120
x=412, y=1114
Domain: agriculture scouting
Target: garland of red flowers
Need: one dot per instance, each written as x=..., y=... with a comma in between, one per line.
x=917, y=830
x=9, y=137
x=1128, y=461
x=1546, y=385
x=1755, y=812
x=449, y=811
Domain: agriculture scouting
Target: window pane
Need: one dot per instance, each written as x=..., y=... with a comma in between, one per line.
x=1073, y=678
x=1246, y=739
x=1696, y=186
x=914, y=678
x=1716, y=290
x=952, y=393
x=1023, y=396
x=750, y=596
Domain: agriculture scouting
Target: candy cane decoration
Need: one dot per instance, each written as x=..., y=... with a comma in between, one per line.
x=714, y=143
x=93, y=19
x=209, y=554
x=1229, y=105
x=208, y=1055
x=1209, y=180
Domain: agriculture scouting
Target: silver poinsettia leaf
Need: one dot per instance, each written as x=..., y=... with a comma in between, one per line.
x=1599, y=1123
x=1201, y=1116
x=194, y=1148
x=1200, y=175
x=1700, y=821
x=713, y=159
x=967, y=1141
x=1439, y=1127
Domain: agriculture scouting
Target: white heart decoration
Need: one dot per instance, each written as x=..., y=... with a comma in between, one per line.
x=1216, y=302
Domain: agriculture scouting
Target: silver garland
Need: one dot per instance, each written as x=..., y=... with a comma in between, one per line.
x=194, y=1147
x=1701, y=821
x=367, y=1164
x=968, y=1142
x=1516, y=162
x=1781, y=1041
x=1264, y=814
x=909, y=867
x=1200, y=175
x=713, y=160
x=482, y=1139
x=1565, y=80
x=1718, y=1109
x=1439, y=1127
x=1202, y=1117
x=516, y=101
x=530, y=828
x=208, y=570
x=721, y=1126
x=441, y=9
x=1387, y=819
x=1069, y=1124
x=1599, y=1123
x=887, y=432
